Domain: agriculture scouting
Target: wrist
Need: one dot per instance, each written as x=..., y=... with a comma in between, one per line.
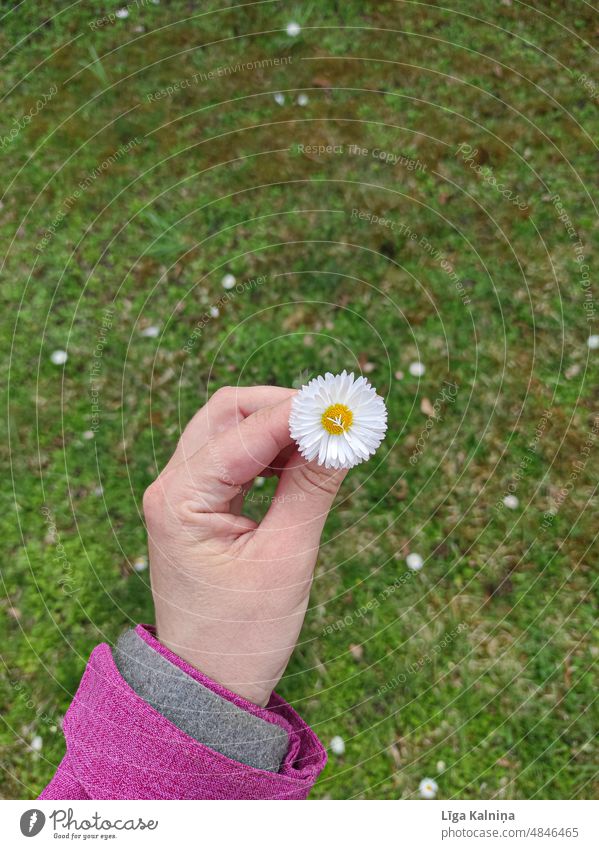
x=222, y=670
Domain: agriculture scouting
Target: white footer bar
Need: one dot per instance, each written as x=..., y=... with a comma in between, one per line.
x=295, y=825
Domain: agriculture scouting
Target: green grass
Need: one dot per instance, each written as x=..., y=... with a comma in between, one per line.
x=213, y=180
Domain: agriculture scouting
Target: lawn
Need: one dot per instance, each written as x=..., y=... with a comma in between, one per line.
x=398, y=183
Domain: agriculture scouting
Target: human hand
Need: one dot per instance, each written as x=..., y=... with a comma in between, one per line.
x=231, y=595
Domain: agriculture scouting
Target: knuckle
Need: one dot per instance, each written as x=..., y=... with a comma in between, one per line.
x=153, y=501
x=224, y=395
x=313, y=481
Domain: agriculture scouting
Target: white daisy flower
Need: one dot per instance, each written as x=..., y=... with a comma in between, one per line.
x=414, y=562
x=593, y=342
x=140, y=564
x=417, y=369
x=37, y=743
x=280, y=98
x=511, y=502
x=59, y=358
x=214, y=312
x=338, y=745
x=259, y=481
x=88, y=434
x=293, y=29
x=302, y=100
x=228, y=281
x=428, y=788
x=122, y=13
x=337, y=420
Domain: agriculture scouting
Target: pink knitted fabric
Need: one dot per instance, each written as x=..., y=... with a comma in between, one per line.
x=119, y=747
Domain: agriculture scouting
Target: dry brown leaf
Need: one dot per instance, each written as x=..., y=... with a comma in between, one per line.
x=427, y=408
x=322, y=82
x=356, y=651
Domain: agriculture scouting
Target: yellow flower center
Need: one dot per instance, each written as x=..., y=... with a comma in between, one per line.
x=337, y=419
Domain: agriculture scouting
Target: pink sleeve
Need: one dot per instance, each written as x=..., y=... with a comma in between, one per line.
x=119, y=747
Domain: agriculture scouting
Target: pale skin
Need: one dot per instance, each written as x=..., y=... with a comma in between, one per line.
x=231, y=595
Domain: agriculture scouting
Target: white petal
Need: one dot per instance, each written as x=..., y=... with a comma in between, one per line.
x=59, y=358
x=322, y=453
x=417, y=369
x=337, y=745
x=150, y=332
x=414, y=562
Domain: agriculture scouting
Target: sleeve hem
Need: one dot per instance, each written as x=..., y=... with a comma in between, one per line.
x=277, y=711
x=119, y=747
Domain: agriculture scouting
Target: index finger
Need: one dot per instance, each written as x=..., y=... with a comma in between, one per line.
x=226, y=407
x=229, y=459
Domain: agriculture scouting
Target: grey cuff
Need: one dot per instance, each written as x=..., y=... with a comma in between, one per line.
x=196, y=710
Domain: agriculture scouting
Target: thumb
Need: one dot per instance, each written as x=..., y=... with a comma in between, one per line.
x=303, y=498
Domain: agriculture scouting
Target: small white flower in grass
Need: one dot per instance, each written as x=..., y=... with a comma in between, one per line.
x=214, y=312
x=140, y=564
x=293, y=29
x=259, y=482
x=338, y=745
x=280, y=98
x=337, y=420
x=122, y=13
x=150, y=332
x=428, y=788
x=511, y=502
x=414, y=562
x=228, y=281
x=440, y=766
x=417, y=369
x=37, y=743
x=88, y=434
x=59, y=358
x=302, y=99
x=593, y=342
